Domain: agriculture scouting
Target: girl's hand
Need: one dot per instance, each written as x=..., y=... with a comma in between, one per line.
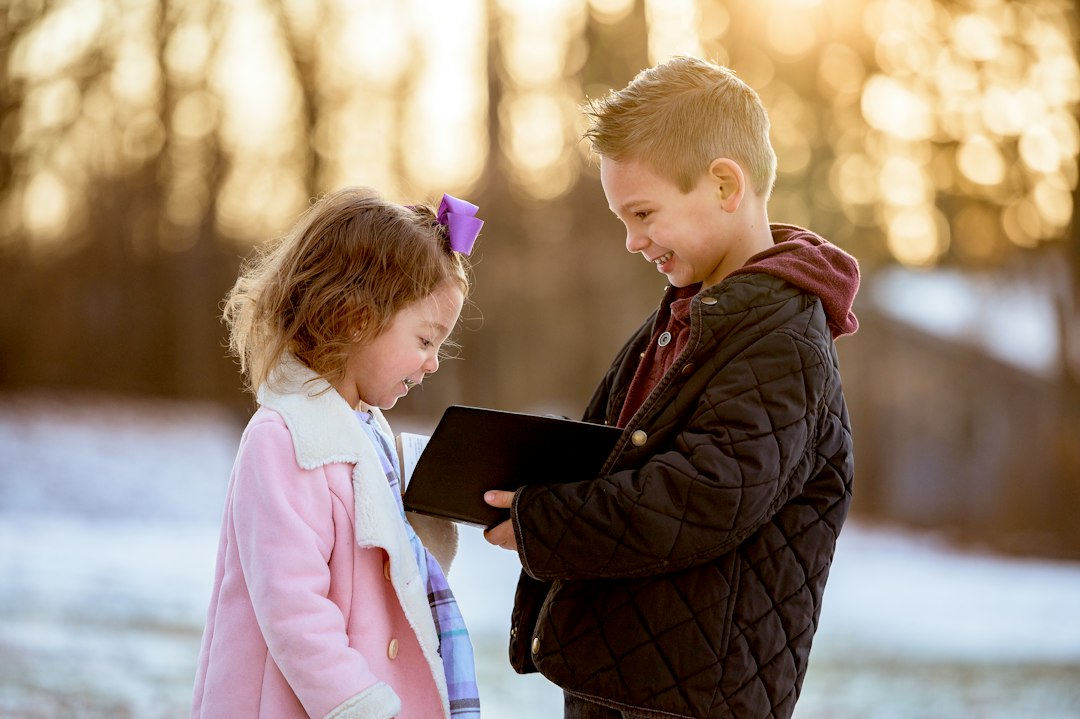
x=502, y=534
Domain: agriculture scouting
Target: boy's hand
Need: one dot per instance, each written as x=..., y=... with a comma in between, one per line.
x=502, y=534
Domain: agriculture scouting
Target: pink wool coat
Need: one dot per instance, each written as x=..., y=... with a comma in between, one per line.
x=318, y=607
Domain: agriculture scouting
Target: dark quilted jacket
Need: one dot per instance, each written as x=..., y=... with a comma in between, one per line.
x=687, y=580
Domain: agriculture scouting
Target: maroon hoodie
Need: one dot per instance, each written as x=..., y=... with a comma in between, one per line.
x=797, y=256
x=814, y=265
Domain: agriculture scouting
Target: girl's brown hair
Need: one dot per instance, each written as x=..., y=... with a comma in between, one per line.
x=350, y=263
x=681, y=115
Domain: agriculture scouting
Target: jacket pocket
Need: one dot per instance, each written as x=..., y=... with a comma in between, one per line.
x=528, y=601
x=657, y=643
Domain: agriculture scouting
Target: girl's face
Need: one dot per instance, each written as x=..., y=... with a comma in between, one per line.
x=381, y=371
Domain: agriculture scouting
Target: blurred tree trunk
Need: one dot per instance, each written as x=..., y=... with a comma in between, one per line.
x=1069, y=342
x=486, y=346
x=617, y=51
x=550, y=321
x=11, y=26
x=13, y=248
x=404, y=90
x=302, y=51
x=199, y=275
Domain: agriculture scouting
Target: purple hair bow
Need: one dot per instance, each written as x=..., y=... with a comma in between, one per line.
x=462, y=224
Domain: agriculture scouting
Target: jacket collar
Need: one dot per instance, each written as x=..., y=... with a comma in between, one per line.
x=326, y=431
x=322, y=424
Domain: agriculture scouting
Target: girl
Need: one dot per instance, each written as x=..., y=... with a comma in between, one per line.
x=325, y=601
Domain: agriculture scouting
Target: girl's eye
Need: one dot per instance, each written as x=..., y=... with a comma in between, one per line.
x=642, y=214
x=425, y=343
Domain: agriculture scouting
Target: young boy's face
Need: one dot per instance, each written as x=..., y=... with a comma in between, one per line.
x=685, y=235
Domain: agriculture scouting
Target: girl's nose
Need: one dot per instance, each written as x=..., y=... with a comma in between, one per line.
x=432, y=364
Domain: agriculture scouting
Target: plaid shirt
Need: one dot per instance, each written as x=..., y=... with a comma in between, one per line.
x=455, y=648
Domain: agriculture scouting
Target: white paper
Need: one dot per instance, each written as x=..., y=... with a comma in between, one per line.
x=409, y=446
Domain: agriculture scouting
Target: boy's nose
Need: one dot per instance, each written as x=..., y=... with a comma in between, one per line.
x=636, y=241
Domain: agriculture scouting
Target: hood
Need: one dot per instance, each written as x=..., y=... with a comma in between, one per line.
x=815, y=265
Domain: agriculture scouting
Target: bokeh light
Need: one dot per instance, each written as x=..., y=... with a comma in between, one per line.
x=672, y=28
x=445, y=119
x=969, y=86
x=538, y=112
x=610, y=11
x=911, y=112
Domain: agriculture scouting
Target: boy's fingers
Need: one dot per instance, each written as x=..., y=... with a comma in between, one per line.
x=497, y=498
x=502, y=535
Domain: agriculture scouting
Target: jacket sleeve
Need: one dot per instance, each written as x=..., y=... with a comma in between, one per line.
x=285, y=534
x=746, y=447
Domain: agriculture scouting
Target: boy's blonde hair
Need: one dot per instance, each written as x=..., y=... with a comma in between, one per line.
x=679, y=116
x=336, y=278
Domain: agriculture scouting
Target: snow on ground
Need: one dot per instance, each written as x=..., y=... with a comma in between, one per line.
x=1010, y=318
x=108, y=531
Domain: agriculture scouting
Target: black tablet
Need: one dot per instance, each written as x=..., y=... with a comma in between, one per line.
x=474, y=449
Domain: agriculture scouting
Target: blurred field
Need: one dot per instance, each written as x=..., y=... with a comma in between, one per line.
x=108, y=528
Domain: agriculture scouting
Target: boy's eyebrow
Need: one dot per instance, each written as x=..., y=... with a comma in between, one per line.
x=628, y=206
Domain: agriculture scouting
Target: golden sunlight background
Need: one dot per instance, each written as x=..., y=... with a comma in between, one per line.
x=148, y=145
x=917, y=101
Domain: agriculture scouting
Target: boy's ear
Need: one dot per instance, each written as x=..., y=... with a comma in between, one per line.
x=730, y=182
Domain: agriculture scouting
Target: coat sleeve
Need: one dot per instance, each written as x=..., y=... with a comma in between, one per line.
x=283, y=517
x=745, y=449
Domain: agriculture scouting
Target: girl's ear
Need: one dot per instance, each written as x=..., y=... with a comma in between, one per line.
x=730, y=182
x=360, y=325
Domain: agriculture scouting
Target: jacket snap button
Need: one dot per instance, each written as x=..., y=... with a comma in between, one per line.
x=536, y=645
x=639, y=437
x=708, y=300
x=391, y=649
x=688, y=369
x=663, y=339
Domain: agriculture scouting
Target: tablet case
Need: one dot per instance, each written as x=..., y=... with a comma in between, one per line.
x=474, y=449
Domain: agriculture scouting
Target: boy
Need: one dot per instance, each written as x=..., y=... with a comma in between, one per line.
x=686, y=580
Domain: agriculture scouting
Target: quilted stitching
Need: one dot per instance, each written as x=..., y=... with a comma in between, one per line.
x=671, y=607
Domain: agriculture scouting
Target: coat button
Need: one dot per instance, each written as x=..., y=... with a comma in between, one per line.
x=639, y=437
x=386, y=569
x=688, y=369
x=536, y=645
x=391, y=649
x=513, y=632
x=663, y=339
x=708, y=300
